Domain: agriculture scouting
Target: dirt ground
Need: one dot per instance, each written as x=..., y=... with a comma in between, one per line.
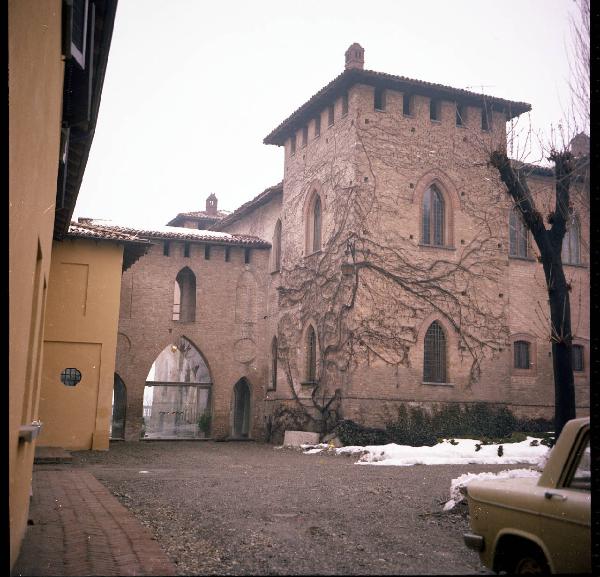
x=249, y=508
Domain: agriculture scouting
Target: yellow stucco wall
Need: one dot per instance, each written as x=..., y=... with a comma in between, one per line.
x=82, y=317
x=35, y=101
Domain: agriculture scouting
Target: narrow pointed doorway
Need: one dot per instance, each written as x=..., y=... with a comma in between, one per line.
x=241, y=409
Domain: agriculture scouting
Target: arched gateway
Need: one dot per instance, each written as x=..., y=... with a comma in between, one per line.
x=177, y=394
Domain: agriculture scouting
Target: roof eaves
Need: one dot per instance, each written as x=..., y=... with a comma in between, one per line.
x=370, y=77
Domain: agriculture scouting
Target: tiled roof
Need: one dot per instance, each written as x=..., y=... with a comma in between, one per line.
x=134, y=246
x=180, y=233
x=198, y=215
x=370, y=77
x=94, y=231
x=204, y=214
x=257, y=201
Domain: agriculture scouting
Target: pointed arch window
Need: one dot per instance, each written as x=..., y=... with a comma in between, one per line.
x=518, y=238
x=277, y=247
x=273, y=381
x=434, y=358
x=184, y=297
x=311, y=355
x=433, y=217
x=571, y=253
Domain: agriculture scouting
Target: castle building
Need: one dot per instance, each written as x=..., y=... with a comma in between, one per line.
x=387, y=267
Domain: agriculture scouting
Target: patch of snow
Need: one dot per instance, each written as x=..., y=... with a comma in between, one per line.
x=458, y=486
x=463, y=452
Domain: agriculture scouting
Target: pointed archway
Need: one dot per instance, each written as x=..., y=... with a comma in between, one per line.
x=241, y=409
x=177, y=396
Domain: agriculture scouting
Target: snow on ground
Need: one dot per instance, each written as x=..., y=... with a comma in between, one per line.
x=444, y=453
x=462, y=451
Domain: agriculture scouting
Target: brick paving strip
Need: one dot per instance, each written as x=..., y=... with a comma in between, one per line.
x=79, y=528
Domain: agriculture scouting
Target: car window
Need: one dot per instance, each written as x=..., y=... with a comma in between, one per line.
x=582, y=478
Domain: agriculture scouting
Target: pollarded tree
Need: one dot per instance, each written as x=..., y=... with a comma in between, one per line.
x=569, y=170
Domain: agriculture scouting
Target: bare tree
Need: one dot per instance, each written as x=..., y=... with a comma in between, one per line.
x=568, y=170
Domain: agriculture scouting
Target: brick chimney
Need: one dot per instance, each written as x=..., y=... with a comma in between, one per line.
x=211, y=205
x=355, y=57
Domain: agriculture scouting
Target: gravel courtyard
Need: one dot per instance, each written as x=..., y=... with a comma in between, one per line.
x=248, y=508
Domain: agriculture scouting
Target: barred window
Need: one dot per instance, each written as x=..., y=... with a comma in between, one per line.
x=521, y=354
x=518, y=238
x=578, y=358
x=311, y=355
x=571, y=245
x=433, y=217
x=434, y=361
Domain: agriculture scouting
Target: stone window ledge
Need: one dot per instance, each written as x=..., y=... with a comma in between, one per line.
x=437, y=384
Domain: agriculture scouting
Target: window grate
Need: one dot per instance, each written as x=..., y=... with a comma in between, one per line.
x=70, y=377
x=434, y=361
x=521, y=354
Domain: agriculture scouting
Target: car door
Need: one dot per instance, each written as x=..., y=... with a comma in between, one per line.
x=565, y=513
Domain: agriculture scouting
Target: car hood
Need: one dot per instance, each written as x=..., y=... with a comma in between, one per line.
x=515, y=492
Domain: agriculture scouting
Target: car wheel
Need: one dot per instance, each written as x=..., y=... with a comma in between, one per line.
x=531, y=562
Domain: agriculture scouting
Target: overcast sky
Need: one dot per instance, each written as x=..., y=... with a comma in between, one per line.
x=193, y=86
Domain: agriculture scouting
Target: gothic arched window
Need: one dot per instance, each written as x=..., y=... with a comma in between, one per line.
x=434, y=357
x=433, y=217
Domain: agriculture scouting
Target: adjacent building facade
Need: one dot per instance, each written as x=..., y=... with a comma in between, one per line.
x=393, y=269
x=57, y=54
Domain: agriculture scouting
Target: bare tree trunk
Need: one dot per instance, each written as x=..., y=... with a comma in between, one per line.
x=549, y=243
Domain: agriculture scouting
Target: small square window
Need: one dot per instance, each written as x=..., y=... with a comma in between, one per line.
x=331, y=115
